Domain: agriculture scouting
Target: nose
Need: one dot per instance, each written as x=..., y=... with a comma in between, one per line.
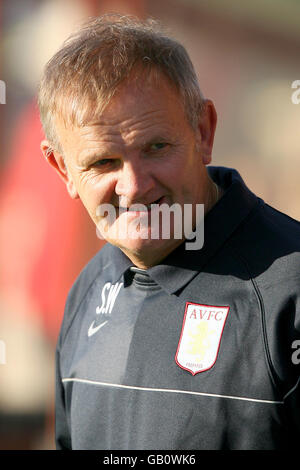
x=134, y=183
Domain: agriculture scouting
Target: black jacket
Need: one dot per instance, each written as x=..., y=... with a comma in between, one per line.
x=199, y=352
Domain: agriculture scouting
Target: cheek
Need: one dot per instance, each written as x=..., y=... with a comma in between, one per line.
x=179, y=169
x=172, y=166
x=95, y=189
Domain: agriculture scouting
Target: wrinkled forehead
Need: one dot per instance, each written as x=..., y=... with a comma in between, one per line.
x=134, y=103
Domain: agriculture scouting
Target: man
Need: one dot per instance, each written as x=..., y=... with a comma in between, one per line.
x=164, y=346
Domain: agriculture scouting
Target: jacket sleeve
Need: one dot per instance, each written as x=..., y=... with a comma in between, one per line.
x=292, y=397
x=292, y=403
x=62, y=431
x=285, y=347
x=281, y=306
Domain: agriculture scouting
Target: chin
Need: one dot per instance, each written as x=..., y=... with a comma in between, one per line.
x=140, y=245
x=146, y=253
x=137, y=246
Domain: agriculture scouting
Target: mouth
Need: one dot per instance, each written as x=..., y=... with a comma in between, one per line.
x=142, y=208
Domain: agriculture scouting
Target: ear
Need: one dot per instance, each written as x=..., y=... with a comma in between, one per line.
x=57, y=161
x=207, y=127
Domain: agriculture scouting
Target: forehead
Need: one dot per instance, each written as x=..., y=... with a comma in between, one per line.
x=140, y=92
x=140, y=107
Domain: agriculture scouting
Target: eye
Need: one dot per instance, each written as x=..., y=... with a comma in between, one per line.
x=104, y=162
x=157, y=146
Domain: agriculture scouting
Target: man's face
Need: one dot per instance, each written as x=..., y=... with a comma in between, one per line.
x=141, y=150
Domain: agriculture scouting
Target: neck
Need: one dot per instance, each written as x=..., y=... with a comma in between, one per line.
x=213, y=195
x=151, y=256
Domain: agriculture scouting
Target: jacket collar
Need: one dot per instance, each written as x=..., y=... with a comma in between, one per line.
x=182, y=265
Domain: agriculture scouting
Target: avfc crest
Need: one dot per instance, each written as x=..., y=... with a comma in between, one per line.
x=200, y=337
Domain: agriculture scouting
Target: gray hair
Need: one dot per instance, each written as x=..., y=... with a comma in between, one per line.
x=81, y=78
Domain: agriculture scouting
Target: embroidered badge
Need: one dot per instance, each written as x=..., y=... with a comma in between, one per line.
x=200, y=337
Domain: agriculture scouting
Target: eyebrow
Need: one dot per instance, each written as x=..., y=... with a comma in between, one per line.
x=108, y=153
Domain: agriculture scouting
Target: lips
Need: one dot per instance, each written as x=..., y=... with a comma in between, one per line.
x=139, y=207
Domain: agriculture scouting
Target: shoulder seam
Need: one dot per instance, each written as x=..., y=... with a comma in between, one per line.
x=292, y=390
x=280, y=281
x=273, y=375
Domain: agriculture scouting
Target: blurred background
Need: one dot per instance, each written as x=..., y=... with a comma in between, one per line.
x=246, y=55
